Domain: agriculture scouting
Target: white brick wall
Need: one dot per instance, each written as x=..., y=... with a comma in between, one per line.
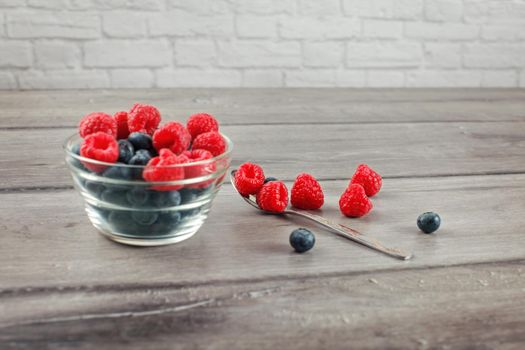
x=261, y=43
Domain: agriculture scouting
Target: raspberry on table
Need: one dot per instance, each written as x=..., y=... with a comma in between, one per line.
x=99, y=146
x=199, y=170
x=143, y=118
x=122, y=124
x=273, y=197
x=173, y=136
x=307, y=193
x=211, y=141
x=368, y=178
x=201, y=123
x=249, y=179
x=160, y=169
x=354, y=202
x=95, y=122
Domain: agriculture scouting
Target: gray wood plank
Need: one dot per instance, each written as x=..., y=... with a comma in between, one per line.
x=48, y=242
x=34, y=158
x=462, y=307
x=256, y=106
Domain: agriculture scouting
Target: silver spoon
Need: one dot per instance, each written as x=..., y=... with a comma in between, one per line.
x=339, y=229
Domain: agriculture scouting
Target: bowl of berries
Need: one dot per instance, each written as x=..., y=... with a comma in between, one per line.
x=145, y=183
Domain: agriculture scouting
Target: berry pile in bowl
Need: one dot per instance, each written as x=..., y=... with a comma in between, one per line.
x=146, y=183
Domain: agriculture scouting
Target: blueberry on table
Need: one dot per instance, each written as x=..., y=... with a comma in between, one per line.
x=270, y=178
x=428, y=222
x=125, y=151
x=302, y=240
x=140, y=140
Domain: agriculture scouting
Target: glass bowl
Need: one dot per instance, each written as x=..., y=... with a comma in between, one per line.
x=129, y=210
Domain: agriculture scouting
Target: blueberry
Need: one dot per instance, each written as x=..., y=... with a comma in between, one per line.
x=76, y=149
x=138, y=196
x=140, y=140
x=121, y=221
x=171, y=218
x=428, y=222
x=118, y=172
x=188, y=195
x=125, y=151
x=93, y=187
x=167, y=199
x=302, y=240
x=144, y=218
x=141, y=157
x=190, y=213
x=114, y=195
x=270, y=178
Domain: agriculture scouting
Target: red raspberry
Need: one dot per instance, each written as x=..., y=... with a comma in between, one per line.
x=193, y=171
x=307, y=193
x=99, y=146
x=161, y=168
x=122, y=125
x=354, y=202
x=273, y=196
x=200, y=123
x=143, y=118
x=211, y=141
x=249, y=179
x=369, y=179
x=95, y=122
x=172, y=135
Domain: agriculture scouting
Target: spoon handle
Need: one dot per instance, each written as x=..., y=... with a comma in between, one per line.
x=352, y=235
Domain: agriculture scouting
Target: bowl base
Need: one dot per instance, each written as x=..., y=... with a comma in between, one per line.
x=141, y=242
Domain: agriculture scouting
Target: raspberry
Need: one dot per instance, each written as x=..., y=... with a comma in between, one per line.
x=307, y=193
x=354, y=202
x=143, y=118
x=369, y=179
x=161, y=168
x=200, y=123
x=211, y=141
x=174, y=136
x=249, y=179
x=99, y=146
x=95, y=122
x=198, y=170
x=122, y=125
x=273, y=196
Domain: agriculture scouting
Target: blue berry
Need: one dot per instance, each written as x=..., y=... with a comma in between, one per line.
x=93, y=187
x=302, y=240
x=188, y=195
x=428, y=222
x=118, y=173
x=270, y=178
x=122, y=222
x=141, y=158
x=141, y=140
x=138, y=196
x=144, y=218
x=125, y=151
x=114, y=195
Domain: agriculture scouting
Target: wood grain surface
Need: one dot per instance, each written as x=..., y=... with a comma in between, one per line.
x=237, y=284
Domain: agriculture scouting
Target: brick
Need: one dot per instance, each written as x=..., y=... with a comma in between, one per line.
x=310, y=78
x=259, y=54
x=15, y=54
x=444, y=10
x=198, y=78
x=124, y=24
x=323, y=54
x=494, y=11
x=499, y=78
x=262, y=78
x=494, y=55
x=319, y=28
x=57, y=55
x=181, y=23
x=319, y=8
x=49, y=4
x=12, y=3
x=443, y=78
x=264, y=6
x=503, y=32
x=256, y=26
x=136, y=78
x=139, y=53
x=201, y=6
x=385, y=78
x=147, y=5
x=435, y=31
x=64, y=80
x=350, y=78
x=442, y=55
x=7, y=81
x=195, y=52
x=53, y=25
x=377, y=28
x=383, y=54
x=402, y=9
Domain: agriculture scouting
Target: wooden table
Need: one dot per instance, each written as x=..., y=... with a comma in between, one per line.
x=237, y=284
